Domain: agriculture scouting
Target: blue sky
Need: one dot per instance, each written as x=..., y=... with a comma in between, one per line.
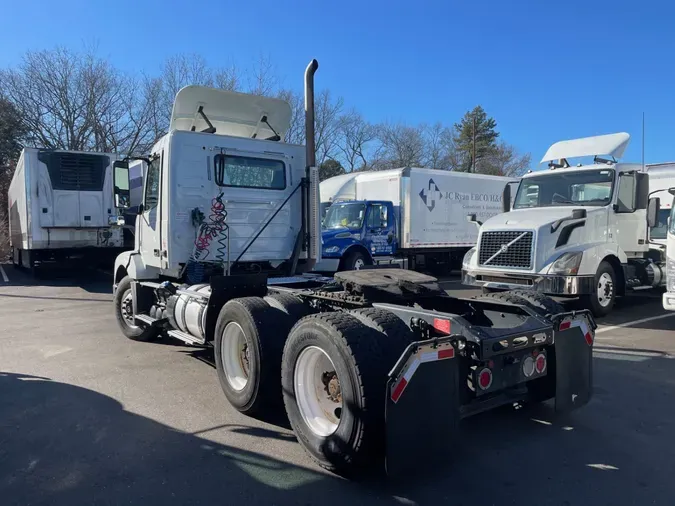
x=546, y=71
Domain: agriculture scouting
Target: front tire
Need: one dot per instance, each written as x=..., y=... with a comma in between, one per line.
x=355, y=261
x=333, y=381
x=124, y=314
x=601, y=302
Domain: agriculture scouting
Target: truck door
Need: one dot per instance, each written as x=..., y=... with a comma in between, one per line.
x=630, y=224
x=380, y=234
x=149, y=222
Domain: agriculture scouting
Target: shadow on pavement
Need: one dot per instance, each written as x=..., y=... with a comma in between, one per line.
x=89, y=279
x=65, y=445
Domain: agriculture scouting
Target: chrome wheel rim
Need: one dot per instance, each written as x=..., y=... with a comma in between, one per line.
x=358, y=264
x=235, y=354
x=127, y=309
x=605, y=289
x=317, y=391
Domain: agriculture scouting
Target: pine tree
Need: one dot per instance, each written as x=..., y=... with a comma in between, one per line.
x=486, y=138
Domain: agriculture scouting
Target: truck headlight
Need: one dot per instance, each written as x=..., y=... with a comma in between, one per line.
x=670, y=274
x=468, y=256
x=331, y=249
x=567, y=263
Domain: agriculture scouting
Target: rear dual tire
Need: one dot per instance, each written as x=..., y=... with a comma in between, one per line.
x=338, y=414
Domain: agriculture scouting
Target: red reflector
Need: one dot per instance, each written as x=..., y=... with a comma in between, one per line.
x=565, y=325
x=540, y=363
x=446, y=353
x=485, y=379
x=442, y=325
x=398, y=390
x=589, y=339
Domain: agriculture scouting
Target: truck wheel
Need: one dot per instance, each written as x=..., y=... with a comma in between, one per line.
x=124, y=313
x=333, y=382
x=395, y=336
x=355, y=261
x=289, y=304
x=602, y=301
x=540, y=303
x=249, y=341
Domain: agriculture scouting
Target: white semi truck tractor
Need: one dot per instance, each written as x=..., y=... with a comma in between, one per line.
x=226, y=237
x=574, y=230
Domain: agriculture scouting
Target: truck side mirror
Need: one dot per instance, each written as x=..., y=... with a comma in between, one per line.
x=506, y=198
x=653, y=208
x=471, y=218
x=121, y=184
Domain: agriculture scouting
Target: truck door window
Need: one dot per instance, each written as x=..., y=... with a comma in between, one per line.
x=659, y=231
x=248, y=172
x=377, y=216
x=152, y=184
x=626, y=196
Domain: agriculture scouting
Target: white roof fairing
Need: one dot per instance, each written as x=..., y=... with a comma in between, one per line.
x=610, y=144
x=230, y=112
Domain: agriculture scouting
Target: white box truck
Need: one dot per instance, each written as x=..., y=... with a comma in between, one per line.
x=578, y=230
x=60, y=205
x=414, y=217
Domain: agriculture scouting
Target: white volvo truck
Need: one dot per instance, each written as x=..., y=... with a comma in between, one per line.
x=574, y=230
x=226, y=237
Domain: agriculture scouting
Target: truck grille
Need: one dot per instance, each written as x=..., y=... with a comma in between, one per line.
x=518, y=254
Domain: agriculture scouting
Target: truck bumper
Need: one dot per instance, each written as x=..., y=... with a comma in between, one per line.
x=551, y=285
x=669, y=301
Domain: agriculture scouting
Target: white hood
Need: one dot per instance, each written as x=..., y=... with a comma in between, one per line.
x=540, y=220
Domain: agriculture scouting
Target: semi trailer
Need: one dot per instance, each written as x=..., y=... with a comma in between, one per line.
x=411, y=217
x=575, y=230
x=60, y=206
x=227, y=236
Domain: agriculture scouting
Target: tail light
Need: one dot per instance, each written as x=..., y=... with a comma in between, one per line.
x=528, y=366
x=485, y=378
x=540, y=363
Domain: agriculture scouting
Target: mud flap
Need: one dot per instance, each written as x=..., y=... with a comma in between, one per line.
x=574, y=336
x=422, y=407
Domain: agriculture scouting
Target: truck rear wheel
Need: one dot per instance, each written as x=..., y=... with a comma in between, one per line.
x=249, y=338
x=539, y=302
x=602, y=300
x=333, y=382
x=394, y=335
x=289, y=304
x=124, y=313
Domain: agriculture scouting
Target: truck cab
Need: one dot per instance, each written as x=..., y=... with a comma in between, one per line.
x=575, y=230
x=356, y=232
x=668, y=297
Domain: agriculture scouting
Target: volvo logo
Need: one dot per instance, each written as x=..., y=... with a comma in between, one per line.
x=504, y=248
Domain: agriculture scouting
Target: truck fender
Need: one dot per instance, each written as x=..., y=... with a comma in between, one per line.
x=356, y=247
x=130, y=263
x=594, y=255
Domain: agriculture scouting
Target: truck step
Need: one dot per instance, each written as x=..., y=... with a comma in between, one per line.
x=185, y=337
x=148, y=320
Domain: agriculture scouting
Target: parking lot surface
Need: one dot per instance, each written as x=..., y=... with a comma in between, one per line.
x=89, y=417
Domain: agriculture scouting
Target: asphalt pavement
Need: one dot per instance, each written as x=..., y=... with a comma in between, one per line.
x=88, y=417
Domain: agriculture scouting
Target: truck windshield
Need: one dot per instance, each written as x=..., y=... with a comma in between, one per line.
x=585, y=188
x=344, y=215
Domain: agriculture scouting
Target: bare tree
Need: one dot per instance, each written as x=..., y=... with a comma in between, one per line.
x=327, y=122
x=438, y=146
x=296, y=131
x=262, y=78
x=504, y=160
x=355, y=137
x=401, y=146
